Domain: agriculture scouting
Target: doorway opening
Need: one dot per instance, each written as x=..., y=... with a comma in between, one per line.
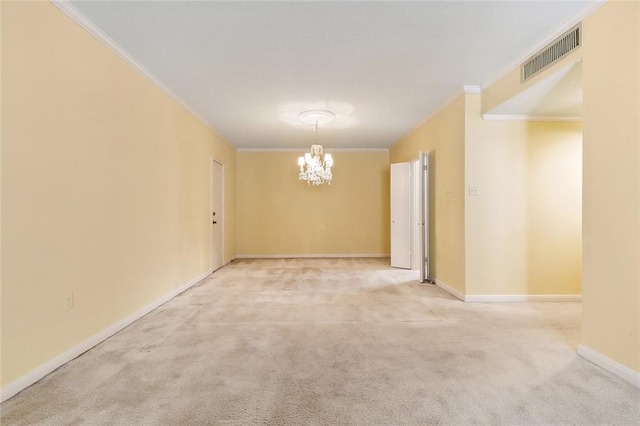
x=410, y=215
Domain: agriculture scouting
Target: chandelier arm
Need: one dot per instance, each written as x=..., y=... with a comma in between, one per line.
x=315, y=166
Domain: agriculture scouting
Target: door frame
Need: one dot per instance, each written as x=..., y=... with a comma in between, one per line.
x=425, y=218
x=420, y=216
x=221, y=221
x=416, y=215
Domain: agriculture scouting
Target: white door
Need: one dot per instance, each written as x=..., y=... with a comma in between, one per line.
x=401, y=215
x=416, y=216
x=423, y=167
x=420, y=216
x=217, y=215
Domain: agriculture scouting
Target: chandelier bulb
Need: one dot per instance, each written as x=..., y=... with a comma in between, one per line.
x=315, y=166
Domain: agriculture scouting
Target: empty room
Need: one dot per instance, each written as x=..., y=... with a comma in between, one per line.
x=320, y=212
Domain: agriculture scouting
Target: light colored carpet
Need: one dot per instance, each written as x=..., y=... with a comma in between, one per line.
x=332, y=342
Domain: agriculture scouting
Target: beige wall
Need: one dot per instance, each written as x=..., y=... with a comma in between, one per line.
x=522, y=233
x=523, y=229
x=280, y=215
x=105, y=186
x=1, y=375
x=442, y=136
x=554, y=208
x=611, y=211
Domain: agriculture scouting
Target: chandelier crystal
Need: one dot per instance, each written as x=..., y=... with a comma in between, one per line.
x=315, y=166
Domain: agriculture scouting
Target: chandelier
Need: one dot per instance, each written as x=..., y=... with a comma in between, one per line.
x=315, y=166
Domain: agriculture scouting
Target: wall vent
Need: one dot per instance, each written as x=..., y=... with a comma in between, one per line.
x=555, y=51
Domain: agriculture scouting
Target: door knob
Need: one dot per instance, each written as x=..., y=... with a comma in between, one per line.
x=214, y=222
x=214, y=213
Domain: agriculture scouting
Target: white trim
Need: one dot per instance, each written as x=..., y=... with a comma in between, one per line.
x=309, y=256
x=610, y=365
x=465, y=89
x=274, y=149
x=422, y=122
x=513, y=117
x=472, y=89
x=569, y=24
x=72, y=12
x=30, y=378
x=213, y=160
x=356, y=149
x=450, y=290
x=498, y=298
x=307, y=149
x=573, y=21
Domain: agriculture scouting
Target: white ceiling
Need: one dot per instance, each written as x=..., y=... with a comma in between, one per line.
x=248, y=68
x=557, y=97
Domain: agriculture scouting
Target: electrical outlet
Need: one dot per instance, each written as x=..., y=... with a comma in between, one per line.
x=68, y=302
x=473, y=191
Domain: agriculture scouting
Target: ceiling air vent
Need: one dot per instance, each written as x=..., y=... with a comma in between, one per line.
x=564, y=44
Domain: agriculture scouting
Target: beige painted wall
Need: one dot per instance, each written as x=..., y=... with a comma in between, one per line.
x=1, y=378
x=105, y=186
x=280, y=215
x=523, y=229
x=611, y=205
x=554, y=208
x=442, y=135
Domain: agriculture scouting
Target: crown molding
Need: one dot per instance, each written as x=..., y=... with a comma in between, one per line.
x=435, y=112
x=358, y=149
x=511, y=117
x=72, y=12
x=554, y=35
x=465, y=89
x=472, y=89
x=313, y=256
x=272, y=149
x=307, y=149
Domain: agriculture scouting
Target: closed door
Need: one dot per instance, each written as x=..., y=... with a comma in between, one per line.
x=401, y=215
x=217, y=215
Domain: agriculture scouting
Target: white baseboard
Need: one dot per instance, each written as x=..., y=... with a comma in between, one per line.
x=37, y=374
x=308, y=256
x=450, y=290
x=610, y=365
x=493, y=298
